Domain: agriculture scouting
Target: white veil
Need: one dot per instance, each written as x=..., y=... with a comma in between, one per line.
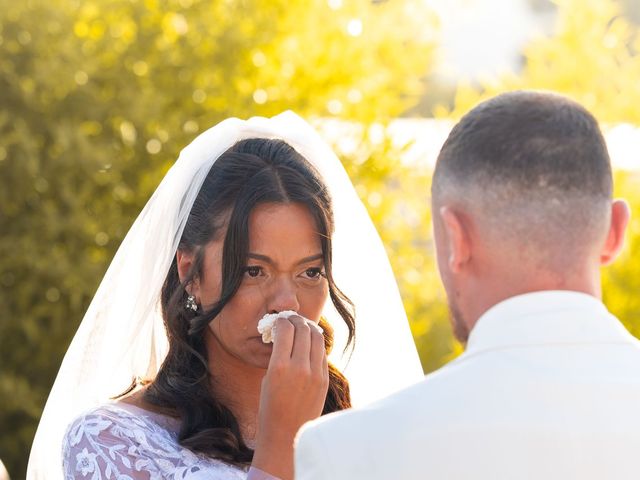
x=122, y=334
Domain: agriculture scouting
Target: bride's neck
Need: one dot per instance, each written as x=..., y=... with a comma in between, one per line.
x=237, y=386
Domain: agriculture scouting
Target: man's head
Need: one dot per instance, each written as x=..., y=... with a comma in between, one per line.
x=521, y=199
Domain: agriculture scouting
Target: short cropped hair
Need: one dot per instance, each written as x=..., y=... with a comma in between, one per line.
x=531, y=165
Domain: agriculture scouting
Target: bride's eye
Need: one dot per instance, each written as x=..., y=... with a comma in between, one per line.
x=253, y=271
x=314, y=273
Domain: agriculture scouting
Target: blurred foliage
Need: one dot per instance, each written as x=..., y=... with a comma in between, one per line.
x=621, y=280
x=98, y=96
x=592, y=57
x=397, y=196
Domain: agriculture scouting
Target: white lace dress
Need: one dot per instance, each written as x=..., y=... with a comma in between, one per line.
x=122, y=442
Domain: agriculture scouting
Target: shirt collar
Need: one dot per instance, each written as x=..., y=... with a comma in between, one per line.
x=547, y=317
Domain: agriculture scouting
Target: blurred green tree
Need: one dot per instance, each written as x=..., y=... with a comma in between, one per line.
x=397, y=196
x=621, y=280
x=98, y=96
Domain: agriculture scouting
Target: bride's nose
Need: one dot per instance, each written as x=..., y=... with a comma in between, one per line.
x=283, y=296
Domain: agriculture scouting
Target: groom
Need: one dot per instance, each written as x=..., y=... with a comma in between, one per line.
x=549, y=385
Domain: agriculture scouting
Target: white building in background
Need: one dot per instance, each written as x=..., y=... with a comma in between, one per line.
x=423, y=138
x=426, y=136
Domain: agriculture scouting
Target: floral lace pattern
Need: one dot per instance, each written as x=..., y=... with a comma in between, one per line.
x=114, y=442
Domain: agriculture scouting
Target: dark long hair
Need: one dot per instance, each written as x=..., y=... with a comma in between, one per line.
x=252, y=172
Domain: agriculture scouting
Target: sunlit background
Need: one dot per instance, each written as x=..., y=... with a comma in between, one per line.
x=98, y=96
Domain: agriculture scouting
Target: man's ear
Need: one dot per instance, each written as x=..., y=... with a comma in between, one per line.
x=457, y=237
x=185, y=261
x=620, y=214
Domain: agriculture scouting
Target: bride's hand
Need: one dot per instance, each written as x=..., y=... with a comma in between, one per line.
x=293, y=392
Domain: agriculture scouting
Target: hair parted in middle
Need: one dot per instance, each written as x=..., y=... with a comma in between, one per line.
x=252, y=172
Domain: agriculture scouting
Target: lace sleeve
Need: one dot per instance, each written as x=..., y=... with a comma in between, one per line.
x=103, y=445
x=96, y=447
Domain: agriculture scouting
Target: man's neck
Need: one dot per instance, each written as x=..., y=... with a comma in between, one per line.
x=511, y=284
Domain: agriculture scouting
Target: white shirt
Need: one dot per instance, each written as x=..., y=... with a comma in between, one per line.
x=548, y=388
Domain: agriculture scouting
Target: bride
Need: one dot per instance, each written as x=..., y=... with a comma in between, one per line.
x=256, y=217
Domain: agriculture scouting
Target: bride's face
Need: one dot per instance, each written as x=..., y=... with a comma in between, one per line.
x=284, y=271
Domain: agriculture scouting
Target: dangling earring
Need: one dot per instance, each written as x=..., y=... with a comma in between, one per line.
x=191, y=303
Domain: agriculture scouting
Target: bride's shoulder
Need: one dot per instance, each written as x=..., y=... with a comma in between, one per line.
x=118, y=418
x=108, y=411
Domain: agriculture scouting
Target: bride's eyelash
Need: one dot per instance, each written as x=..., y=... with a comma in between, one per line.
x=317, y=271
x=252, y=270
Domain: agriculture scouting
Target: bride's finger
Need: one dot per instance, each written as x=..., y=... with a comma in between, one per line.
x=325, y=369
x=301, y=342
x=283, y=341
x=317, y=350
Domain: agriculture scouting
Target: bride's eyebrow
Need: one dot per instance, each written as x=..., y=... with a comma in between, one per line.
x=310, y=258
x=262, y=258
x=266, y=259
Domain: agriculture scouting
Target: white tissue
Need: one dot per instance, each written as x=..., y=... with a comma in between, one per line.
x=267, y=324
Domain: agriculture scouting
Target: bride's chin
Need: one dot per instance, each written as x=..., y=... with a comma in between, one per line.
x=262, y=353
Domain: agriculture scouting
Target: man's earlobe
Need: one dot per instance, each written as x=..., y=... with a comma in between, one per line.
x=458, y=239
x=620, y=214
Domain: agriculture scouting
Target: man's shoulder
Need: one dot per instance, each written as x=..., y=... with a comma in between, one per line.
x=406, y=403
x=354, y=443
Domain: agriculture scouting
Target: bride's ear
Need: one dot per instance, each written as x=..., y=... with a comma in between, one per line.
x=185, y=262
